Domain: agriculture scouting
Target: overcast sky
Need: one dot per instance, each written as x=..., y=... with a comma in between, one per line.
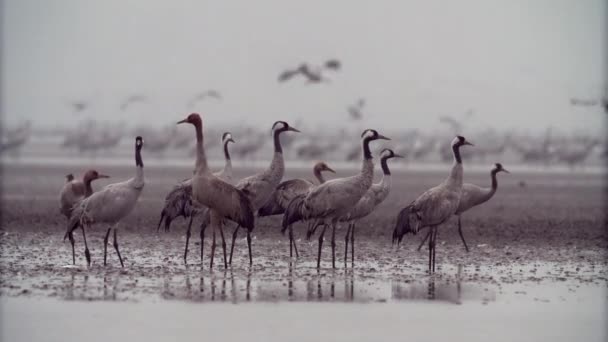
x=515, y=62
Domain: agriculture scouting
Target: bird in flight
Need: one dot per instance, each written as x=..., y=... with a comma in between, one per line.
x=312, y=74
x=204, y=95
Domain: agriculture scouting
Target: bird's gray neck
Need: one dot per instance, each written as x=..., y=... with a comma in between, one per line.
x=367, y=168
x=385, y=183
x=277, y=167
x=277, y=141
x=455, y=177
x=319, y=176
x=139, y=177
x=201, y=159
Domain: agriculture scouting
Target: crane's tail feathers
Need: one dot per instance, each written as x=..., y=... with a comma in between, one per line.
x=245, y=215
x=312, y=228
x=206, y=219
x=294, y=211
x=272, y=207
x=403, y=225
x=74, y=222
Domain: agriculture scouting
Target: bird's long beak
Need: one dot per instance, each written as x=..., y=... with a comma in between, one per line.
x=505, y=170
x=182, y=121
x=327, y=168
x=103, y=176
x=380, y=136
x=231, y=140
x=398, y=156
x=293, y=129
x=468, y=143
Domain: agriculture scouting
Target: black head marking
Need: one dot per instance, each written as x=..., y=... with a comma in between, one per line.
x=285, y=124
x=224, y=135
x=139, y=141
x=374, y=132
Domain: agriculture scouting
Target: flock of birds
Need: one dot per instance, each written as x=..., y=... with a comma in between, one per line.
x=216, y=198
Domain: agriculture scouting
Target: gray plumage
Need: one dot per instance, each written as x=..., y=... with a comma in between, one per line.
x=376, y=194
x=75, y=190
x=434, y=206
x=223, y=200
x=259, y=187
x=333, y=199
x=287, y=190
x=473, y=195
x=110, y=204
x=178, y=201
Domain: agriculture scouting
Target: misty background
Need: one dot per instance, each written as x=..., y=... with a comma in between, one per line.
x=514, y=64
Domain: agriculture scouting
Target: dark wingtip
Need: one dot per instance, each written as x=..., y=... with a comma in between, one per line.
x=293, y=213
x=402, y=226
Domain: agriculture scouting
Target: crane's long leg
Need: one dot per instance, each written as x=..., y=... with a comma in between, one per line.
x=352, y=245
x=236, y=231
x=249, y=247
x=346, y=238
x=435, y=231
x=430, y=250
x=71, y=237
x=424, y=240
x=333, y=244
x=188, y=233
x=290, y=242
x=87, y=254
x=462, y=236
x=320, y=245
x=116, y=248
x=223, y=245
x=202, y=242
x=295, y=247
x=212, y=248
x=105, y=246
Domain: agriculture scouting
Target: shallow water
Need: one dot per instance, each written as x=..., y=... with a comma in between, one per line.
x=536, y=271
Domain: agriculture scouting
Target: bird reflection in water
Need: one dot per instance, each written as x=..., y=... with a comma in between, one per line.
x=432, y=290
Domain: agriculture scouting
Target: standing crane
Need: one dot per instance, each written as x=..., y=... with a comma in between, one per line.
x=178, y=201
x=376, y=194
x=222, y=199
x=333, y=199
x=259, y=187
x=473, y=195
x=286, y=191
x=74, y=191
x=110, y=205
x=435, y=206
x=226, y=175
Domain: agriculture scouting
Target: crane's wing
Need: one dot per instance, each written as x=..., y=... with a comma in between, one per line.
x=287, y=75
x=288, y=190
x=436, y=205
x=324, y=198
x=232, y=203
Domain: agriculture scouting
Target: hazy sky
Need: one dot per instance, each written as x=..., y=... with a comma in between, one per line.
x=515, y=62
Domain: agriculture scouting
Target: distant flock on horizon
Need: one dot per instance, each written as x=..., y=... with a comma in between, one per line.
x=216, y=198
